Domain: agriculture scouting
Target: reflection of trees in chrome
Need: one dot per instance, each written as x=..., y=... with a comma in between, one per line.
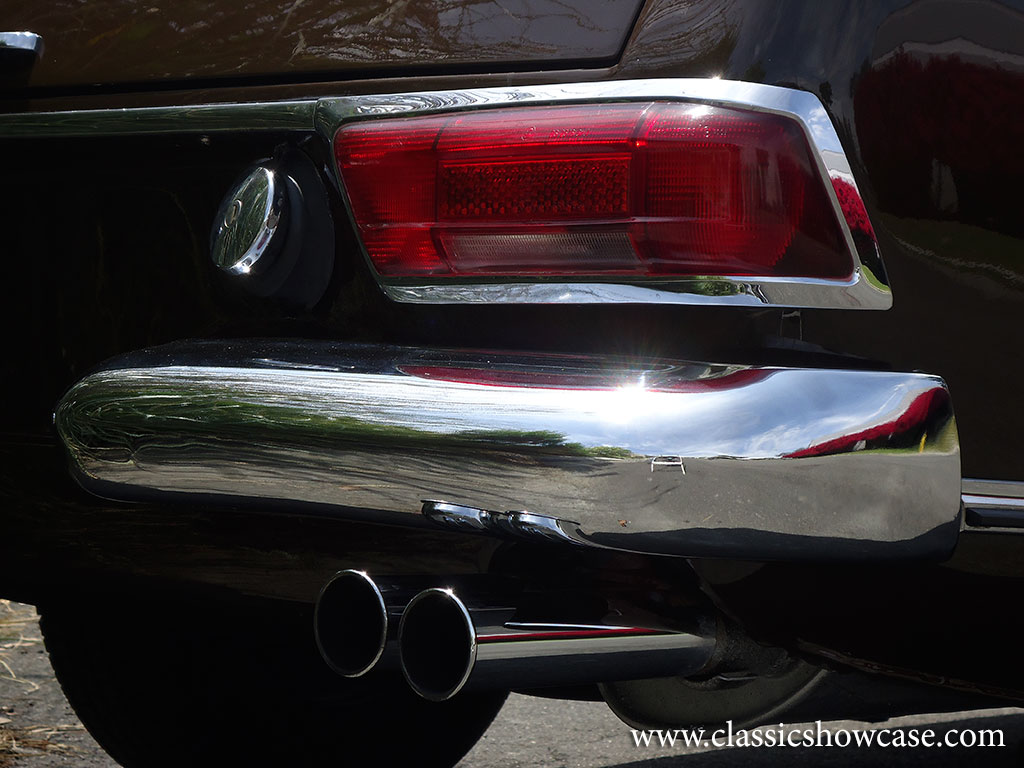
x=144, y=38
x=122, y=421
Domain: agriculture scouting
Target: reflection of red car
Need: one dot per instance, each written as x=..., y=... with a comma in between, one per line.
x=582, y=349
x=910, y=428
x=852, y=205
x=658, y=378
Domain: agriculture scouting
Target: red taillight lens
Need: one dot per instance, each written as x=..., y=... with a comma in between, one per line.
x=655, y=189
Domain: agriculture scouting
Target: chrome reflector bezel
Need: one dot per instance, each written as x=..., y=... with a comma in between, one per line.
x=867, y=288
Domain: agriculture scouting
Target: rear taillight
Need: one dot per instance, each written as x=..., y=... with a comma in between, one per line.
x=652, y=190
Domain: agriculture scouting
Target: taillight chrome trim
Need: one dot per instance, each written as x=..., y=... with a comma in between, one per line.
x=867, y=288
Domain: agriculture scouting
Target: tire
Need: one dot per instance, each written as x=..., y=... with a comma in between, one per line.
x=172, y=682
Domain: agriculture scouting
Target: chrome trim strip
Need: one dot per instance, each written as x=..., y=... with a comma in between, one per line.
x=777, y=463
x=995, y=506
x=992, y=502
x=29, y=42
x=1009, y=488
x=866, y=289
x=207, y=118
x=708, y=291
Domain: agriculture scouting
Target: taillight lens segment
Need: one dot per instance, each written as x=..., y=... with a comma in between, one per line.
x=642, y=189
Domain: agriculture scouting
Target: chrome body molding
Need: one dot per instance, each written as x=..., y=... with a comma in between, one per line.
x=675, y=458
x=867, y=288
x=203, y=118
x=993, y=502
x=998, y=488
x=994, y=505
x=28, y=42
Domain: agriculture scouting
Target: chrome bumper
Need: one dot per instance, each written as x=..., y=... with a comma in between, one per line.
x=673, y=458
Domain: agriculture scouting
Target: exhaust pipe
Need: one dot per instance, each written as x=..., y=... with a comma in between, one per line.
x=356, y=618
x=351, y=624
x=446, y=648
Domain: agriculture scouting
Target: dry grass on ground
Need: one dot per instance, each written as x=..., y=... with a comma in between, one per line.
x=18, y=629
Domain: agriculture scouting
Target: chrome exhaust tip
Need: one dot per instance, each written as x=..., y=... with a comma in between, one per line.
x=437, y=644
x=446, y=647
x=350, y=623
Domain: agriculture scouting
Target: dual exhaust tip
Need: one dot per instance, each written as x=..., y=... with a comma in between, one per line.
x=437, y=644
x=350, y=623
x=431, y=635
x=443, y=645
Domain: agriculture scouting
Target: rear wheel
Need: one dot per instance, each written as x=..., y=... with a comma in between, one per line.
x=175, y=682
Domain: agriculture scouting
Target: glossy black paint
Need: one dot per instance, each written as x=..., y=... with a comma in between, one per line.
x=106, y=253
x=952, y=624
x=111, y=45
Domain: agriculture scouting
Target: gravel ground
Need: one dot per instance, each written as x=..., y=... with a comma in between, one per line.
x=38, y=729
